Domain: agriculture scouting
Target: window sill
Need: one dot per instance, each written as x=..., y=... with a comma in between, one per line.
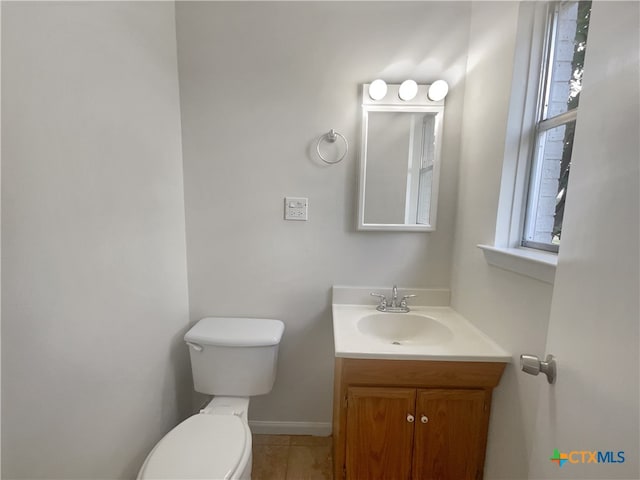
x=525, y=261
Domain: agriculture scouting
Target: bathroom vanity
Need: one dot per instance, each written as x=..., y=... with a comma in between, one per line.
x=412, y=393
x=411, y=418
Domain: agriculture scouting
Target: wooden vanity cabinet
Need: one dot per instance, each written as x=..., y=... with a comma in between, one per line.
x=406, y=419
x=379, y=439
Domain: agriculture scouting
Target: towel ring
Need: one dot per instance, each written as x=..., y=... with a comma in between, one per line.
x=331, y=137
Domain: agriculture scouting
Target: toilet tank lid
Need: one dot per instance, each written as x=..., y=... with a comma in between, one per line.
x=236, y=332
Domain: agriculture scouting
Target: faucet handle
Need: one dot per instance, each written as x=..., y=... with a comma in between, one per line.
x=383, y=299
x=403, y=300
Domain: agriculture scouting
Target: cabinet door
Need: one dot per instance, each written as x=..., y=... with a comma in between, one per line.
x=380, y=424
x=450, y=439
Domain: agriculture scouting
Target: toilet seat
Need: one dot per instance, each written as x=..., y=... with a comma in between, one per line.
x=204, y=446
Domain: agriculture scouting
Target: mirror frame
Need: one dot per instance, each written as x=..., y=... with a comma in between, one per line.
x=392, y=103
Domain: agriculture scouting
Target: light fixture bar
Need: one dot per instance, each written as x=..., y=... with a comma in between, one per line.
x=394, y=94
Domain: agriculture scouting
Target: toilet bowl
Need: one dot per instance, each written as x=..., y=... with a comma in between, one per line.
x=233, y=358
x=212, y=444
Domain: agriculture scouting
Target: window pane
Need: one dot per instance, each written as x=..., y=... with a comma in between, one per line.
x=568, y=46
x=562, y=74
x=548, y=189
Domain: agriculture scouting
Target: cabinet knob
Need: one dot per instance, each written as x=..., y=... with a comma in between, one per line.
x=410, y=418
x=424, y=419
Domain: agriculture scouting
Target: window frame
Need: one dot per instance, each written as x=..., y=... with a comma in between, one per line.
x=507, y=252
x=543, y=123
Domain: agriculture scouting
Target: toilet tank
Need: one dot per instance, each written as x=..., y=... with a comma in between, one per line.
x=234, y=356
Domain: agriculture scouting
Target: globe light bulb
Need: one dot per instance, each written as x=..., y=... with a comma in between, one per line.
x=377, y=89
x=438, y=90
x=408, y=90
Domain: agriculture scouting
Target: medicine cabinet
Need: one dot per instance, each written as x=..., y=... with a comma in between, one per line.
x=399, y=161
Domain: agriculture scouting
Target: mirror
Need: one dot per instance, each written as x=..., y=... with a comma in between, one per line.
x=399, y=162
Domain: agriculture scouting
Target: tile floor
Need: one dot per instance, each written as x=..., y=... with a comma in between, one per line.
x=291, y=457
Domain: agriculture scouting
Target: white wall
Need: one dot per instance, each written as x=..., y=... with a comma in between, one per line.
x=94, y=291
x=512, y=309
x=259, y=82
x=594, y=328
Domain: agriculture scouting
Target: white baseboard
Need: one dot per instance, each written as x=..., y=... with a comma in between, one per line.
x=318, y=429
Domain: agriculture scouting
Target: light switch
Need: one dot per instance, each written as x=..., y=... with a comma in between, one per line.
x=296, y=208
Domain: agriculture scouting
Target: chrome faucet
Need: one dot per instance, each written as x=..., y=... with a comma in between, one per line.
x=394, y=298
x=395, y=307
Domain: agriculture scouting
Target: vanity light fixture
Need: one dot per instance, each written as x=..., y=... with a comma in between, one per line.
x=408, y=90
x=378, y=89
x=407, y=93
x=438, y=90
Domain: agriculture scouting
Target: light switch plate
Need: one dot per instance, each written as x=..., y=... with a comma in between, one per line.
x=296, y=208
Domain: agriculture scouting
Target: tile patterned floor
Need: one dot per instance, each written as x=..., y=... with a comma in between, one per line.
x=291, y=457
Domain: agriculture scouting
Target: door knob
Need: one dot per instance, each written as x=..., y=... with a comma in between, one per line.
x=424, y=419
x=410, y=418
x=532, y=365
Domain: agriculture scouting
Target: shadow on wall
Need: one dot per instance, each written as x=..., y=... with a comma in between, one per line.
x=181, y=380
x=509, y=419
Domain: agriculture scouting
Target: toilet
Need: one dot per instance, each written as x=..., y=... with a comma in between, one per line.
x=232, y=359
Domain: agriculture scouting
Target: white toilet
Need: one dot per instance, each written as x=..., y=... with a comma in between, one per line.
x=232, y=358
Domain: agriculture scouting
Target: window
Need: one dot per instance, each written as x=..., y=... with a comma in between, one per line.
x=551, y=43
x=557, y=110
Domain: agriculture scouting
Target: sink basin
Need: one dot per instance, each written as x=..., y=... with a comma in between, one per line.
x=404, y=329
x=428, y=332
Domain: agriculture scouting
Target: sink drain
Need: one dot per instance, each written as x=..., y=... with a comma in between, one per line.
x=396, y=343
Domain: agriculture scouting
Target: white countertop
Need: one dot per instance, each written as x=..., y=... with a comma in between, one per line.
x=467, y=344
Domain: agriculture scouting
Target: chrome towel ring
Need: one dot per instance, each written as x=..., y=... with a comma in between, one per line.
x=331, y=137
